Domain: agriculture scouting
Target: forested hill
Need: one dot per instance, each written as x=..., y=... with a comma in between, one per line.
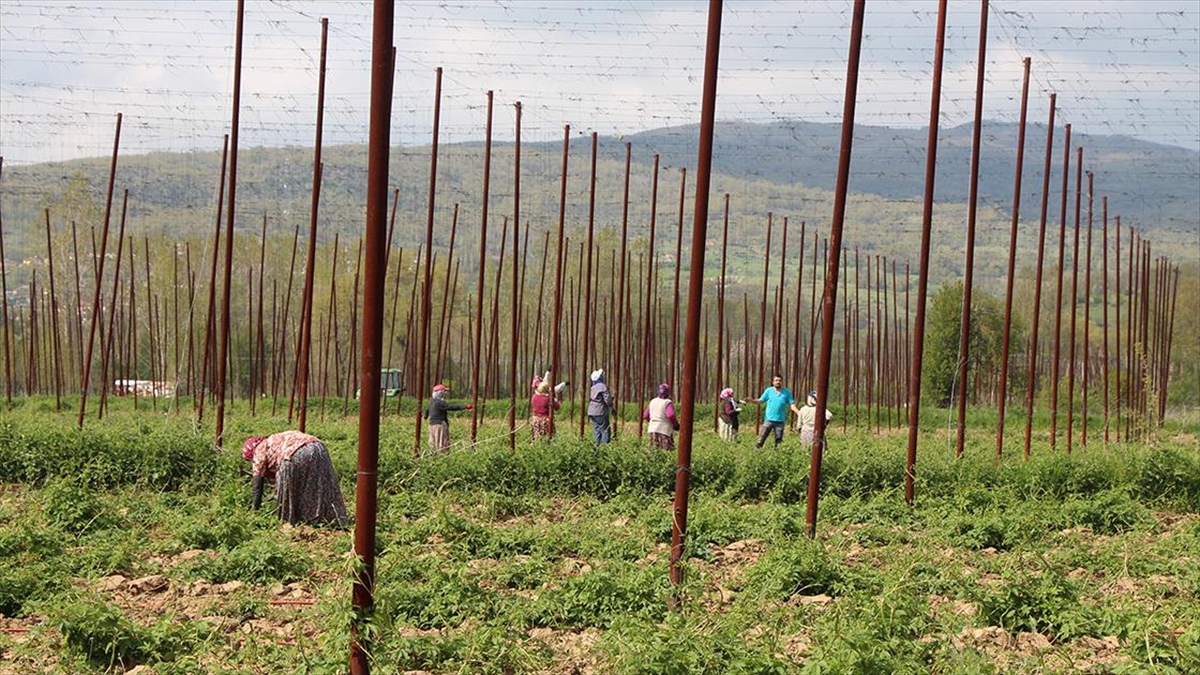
x=1159, y=185
x=787, y=168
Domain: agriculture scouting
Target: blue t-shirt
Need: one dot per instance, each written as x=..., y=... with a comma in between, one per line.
x=777, y=404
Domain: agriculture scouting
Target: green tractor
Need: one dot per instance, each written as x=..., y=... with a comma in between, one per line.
x=389, y=383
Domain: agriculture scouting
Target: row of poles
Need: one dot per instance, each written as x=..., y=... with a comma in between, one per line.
x=168, y=335
x=586, y=326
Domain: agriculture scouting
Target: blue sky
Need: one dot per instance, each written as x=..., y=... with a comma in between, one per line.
x=66, y=69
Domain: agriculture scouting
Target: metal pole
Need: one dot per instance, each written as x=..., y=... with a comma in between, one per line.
x=427, y=278
x=829, y=296
x=209, y=327
x=1062, y=236
x=58, y=376
x=1087, y=313
x=87, y=363
x=1104, y=295
x=914, y=380
x=483, y=223
x=683, y=466
x=762, y=320
x=280, y=364
x=1037, y=286
x=720, y=374
x=446, y=297
x=649, y=280
x=306, y=305
x=516, y=300
x=589, y=333
x=622, y=299
x=372, y=334
x=112, y=307
x=1074, y=304
x=964, y=342
x=673, y=355
x=223, y=355
x=1002, y=398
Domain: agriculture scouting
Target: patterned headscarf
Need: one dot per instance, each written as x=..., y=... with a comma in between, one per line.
x=726, y=393
x=664, y=390
x=249, y=446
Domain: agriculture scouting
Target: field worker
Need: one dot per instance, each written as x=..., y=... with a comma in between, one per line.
x=439, y=423
x=662, y=420
x=306, y=486
x=729, y=411
x=806, y=418
x=778, y=398
x=541, y=405
x=600, y=403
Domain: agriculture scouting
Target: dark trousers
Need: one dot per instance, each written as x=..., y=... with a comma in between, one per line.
x=601, y=431
x=767, y=427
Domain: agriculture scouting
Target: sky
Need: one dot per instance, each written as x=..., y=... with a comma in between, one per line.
x=67, y=68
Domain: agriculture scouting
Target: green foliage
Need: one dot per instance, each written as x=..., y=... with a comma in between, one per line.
x=35, y=450
x=599, y=597
x=105, y=636
x=1040, y=601
x=1110, y=512
x=804, y=567
x=258, y=561
x=943, y=331
x=74, y=507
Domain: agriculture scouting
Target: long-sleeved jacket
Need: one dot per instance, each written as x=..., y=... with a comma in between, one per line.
x=436, y=412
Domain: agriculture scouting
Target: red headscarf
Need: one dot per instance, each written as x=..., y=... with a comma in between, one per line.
x=249, y=446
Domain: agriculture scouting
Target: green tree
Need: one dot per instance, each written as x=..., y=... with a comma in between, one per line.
x=942, y=331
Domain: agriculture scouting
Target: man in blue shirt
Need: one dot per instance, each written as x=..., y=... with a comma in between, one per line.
x=778, y=398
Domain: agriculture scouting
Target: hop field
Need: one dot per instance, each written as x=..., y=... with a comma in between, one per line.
x=130, y=546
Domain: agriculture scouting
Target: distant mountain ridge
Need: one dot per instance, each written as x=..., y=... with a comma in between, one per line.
x=1158, y=185
x=785, y=167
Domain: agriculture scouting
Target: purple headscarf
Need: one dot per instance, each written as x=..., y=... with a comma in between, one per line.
x=664, y=390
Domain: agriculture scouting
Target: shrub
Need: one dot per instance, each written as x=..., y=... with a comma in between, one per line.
x=1044, y=601
x=802, y=567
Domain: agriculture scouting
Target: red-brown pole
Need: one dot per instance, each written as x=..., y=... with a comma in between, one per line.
x=622, y=301
x=1087, y=313
x=719, y=382
x=796, y=364
x=4, y=300
x=438, y=369
x=1037, y=285
x=1074, y=304
x=483, y=223
x=1062, y=237
x=427, y=277
x=589, y=333
x=209, y=322
x=829, y=296
x=649, y=280
x=516, y=300
x=259, y=345
x=1002, y=397
x=762, y=316
x=964, y=342
x=683, y=466
x=1104, y=295
x=281, y=362
x=112, y=307
x=556, y=338
x=372, y=334
x=673, y=355
x=58, y=375
x=78, y=293
x=914, y=380
x=306, y=304
x=150, y=322
x=87, y=363
x=223, y=354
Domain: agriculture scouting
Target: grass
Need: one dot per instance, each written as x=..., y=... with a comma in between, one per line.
x=554, y=558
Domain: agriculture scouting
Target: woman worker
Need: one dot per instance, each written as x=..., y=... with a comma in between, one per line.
x=306, y=486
